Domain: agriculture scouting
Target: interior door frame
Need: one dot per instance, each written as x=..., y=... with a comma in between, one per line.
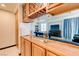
x=17, y=28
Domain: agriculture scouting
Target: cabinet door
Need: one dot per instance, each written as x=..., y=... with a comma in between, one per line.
x=48, y=53
x=52, y=5
x=22, y=46
x=37, y=51
x=27, y=48
x=26, y=13
x=58, y=8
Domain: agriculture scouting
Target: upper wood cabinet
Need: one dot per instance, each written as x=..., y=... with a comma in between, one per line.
x=25, y=10
x=37, y=51
x=33, y=10
x=35, y=6
x=52, y=5
x=26, y=13
x=57, y=8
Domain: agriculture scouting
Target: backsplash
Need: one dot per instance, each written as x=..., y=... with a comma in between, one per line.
x=51, y=20
x=25, y=28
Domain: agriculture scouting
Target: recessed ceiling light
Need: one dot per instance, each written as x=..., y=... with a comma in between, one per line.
x=3, y=5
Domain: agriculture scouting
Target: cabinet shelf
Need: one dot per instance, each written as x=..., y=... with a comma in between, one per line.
x=61, y=8
x=38, y=13
x=33, y=10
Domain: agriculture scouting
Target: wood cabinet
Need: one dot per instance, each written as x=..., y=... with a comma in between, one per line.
x=48, y=53
x=25, y=10
x=52, y=5
x=26, y=13
x=34, y=47
x=37, y=51
x=35, y=6
x=30, y=49
x=27, y=48
x=33, y=10
x=58, y=8
x=22, y=46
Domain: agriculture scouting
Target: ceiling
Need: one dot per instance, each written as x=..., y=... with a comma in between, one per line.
x=10, y=7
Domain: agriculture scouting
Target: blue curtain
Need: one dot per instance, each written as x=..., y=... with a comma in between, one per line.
x=67, y=29
x=71, y=27
x=75, y=26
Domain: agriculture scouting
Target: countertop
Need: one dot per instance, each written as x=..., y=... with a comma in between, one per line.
x=59, y=48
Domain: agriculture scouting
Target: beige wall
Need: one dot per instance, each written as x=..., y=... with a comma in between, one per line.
x=7, y=29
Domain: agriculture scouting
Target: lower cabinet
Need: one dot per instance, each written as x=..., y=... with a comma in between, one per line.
x=27, y=48
x=22, y=46
x=31, y=49
x=48, y=53
x=37, y=51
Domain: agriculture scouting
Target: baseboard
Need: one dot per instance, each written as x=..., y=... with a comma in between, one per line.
x=7, y=47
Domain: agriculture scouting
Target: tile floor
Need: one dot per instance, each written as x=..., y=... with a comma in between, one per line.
x=12, y=51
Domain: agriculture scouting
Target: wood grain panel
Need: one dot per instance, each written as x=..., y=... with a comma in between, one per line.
x=22, y=46
x=27, y=48
x=37, y=51
x=63, y=8
x=48, y=53
x=17, y=28
x=59, y=48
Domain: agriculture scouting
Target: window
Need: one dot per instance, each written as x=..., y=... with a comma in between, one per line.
x=71, y=27
x=43, y=27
